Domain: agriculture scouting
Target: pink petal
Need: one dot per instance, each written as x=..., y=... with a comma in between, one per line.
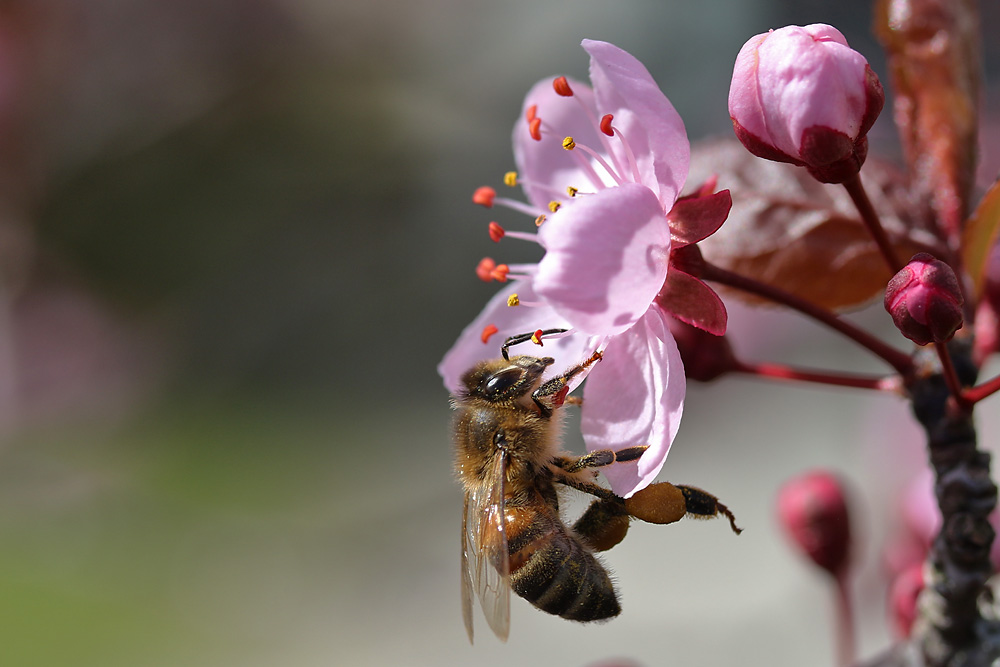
x=635, y=396
x=469, y=349
x=653, y=128
x=606, y=258
x=546, y=166
x=693, y=302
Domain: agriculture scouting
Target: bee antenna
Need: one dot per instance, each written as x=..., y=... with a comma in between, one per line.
x=521, y=338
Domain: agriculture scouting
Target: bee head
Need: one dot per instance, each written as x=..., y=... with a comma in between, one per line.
x=499, y=380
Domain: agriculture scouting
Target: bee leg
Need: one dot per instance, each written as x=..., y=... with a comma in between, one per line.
x=604, y=524
x=601, y=458
x=552, y=394
x=575, y=482
x=521, y=338
x=663, y=502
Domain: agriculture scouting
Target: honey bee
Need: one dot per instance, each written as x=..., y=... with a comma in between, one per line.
x=508, y=459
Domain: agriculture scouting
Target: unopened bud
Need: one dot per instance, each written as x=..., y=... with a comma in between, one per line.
x=925, y=300
x=802, y=95
x=705, y=356
x=813, y=511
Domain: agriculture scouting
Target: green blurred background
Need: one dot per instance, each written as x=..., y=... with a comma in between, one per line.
x=236, y=238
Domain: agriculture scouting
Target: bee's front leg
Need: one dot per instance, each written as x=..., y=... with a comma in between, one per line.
x=553, y=393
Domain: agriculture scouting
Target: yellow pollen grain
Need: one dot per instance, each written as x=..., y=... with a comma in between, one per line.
x=571, y=191
x=510, y=179
x=554, y=206
x=569, y=144
x=513, y=300
x=539, y=220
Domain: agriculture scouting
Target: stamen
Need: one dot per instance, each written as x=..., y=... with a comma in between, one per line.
x=488, y=331
x=561, y=86
x=554, y=206
x=535, y=128
x=536, y=338
x=510, y=179
x=633, y=165
x=531, y=112
x=484, y=196
x=539, y=220
x=499, y=274
x=485, y=268
x=606, y=125
x=571, y=191
x=568, y=143
x=513, y=300
x=496, y=232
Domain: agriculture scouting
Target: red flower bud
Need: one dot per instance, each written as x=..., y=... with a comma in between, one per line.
x=813, y=511
x=802, y=95
x=925, y=300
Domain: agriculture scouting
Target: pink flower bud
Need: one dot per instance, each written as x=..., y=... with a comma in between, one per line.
x=813, y=511
x=925, y=300
x=802, y=95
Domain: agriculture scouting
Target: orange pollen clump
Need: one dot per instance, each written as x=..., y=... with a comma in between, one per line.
x=488, y=331
x=496, y=232
x=484, y=196
x=499, y=274
x=554, y=206
x=536, y=337
x=539, y=220
x=606, y=125
x=561, y=86
x=535, y=128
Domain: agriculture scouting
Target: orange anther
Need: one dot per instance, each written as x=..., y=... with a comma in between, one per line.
x=562, y=88
x=536, y=337
x=606, y=125
x=496, y=232
x=499, y=274
x=484, y=196
x=535, y=128
x=488, y=331
x=539, y=220
x=484, y=270
x=530, y=112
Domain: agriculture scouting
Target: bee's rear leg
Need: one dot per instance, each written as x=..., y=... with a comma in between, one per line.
x=604, y=524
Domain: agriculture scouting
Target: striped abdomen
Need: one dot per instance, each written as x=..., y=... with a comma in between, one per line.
x=551, y=569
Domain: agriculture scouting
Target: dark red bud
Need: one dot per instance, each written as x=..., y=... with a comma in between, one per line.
x=705, y=356
x=925, y=300
x=813, y=511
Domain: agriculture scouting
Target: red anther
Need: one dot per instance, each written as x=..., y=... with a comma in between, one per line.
x=562, y=88
x=484, y=196
x=488, y=331
x=606, y=125
x=531, y=112
x=484, y=270
x=560, y=397
x=535, y=128
x=536, y=337
x=499, y=274
x=496, y=232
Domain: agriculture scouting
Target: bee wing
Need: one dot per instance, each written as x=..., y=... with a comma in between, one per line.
x=485, y=558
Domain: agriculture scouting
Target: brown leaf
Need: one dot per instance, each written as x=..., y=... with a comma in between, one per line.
x=933, y=53
x=789, y=230
x=980, y=236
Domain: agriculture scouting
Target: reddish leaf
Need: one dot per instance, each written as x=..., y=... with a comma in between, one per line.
x=695, y=218
x=933, y=53
x=787, y=229
x=980, y=235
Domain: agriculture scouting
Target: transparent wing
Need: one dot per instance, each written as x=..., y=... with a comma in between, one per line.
x=485, y=560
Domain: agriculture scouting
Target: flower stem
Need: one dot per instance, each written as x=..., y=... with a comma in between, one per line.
x=898, y=360
x=978, y=393
x=782, y=372
x=845, y=621
x=951, y=378
x=872, y=222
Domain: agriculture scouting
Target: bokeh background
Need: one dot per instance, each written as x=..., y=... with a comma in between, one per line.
x=236, y=238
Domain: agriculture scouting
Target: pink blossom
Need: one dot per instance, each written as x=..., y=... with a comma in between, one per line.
x=802, y=95
x=602, y=168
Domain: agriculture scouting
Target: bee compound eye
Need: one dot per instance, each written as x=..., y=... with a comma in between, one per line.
x=500, y=382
